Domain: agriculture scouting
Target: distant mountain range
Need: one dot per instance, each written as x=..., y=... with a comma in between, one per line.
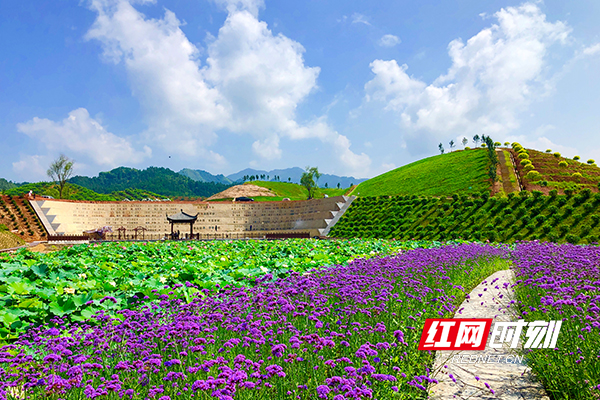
x=284, y=175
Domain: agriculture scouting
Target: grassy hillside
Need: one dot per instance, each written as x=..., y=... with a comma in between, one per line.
x=292, y=191
x=9, y=240
x=462, y=171
x=555, y=218
x=76, y=192
x=556, y=172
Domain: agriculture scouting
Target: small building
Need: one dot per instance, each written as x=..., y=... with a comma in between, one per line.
x=182, y=218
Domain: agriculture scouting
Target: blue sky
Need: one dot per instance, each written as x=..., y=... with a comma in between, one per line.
x=352, y=87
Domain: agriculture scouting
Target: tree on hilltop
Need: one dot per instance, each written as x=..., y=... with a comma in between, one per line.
x=476, y=140
x=465, y=141
x=441, y=148
x=309, y=180
x=60, y=171
x=451, y=145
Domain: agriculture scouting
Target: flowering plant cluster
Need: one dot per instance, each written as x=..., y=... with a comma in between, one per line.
x=344, y=332
x=35, y=287
x=562, y=282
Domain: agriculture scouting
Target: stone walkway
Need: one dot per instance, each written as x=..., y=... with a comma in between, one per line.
x=507, y=380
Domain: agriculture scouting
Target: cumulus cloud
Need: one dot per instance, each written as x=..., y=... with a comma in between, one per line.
x=251, y=83
x=82, y=136
x=493, y=77
x=389, y=40
x=32, y=166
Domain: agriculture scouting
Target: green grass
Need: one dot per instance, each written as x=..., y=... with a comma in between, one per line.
x=462, y=171
x=293, y=191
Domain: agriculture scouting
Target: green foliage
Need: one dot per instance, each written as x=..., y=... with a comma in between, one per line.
x=576, y=158
x=528, y=216
x=36, y=286
x=556, y=155
x=525, y=162
x=76, y=192
x=563, y=164
x=523, y=156
x=162, y=181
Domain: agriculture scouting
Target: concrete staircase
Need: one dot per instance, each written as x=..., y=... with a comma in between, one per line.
x=343, y=206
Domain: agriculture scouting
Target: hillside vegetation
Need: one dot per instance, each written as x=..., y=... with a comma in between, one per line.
x=76, y=192
x=549, y=170
x=527, y=216
x=162, y=181
x=293, y=191
x=462, y=171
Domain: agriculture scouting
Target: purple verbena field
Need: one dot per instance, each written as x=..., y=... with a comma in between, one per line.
x=343, y=332
x=562, y=282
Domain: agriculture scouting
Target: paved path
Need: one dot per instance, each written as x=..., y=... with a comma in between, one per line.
x=512, y=380
x=508, y=185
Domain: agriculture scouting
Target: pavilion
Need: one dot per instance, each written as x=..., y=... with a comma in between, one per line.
x=182, y=218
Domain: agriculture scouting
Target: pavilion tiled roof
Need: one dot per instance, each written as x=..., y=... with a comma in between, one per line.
x=182, y=217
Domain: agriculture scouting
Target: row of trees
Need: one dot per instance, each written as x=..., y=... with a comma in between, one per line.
x=476, y=140
x=263, y=177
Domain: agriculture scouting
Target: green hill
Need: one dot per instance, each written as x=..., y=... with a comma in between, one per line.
x=292, y=191
x=76, y=192
x=527, y=216
x=462, y=171
x=156, y=180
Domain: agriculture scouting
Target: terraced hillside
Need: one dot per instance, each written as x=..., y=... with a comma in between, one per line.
x=555, y=171
x=462, y=172
x=527, y=216
x=17, y=215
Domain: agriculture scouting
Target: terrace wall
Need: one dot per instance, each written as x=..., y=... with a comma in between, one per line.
x=73, y=217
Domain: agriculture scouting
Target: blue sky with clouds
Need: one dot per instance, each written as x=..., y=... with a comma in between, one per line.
x=352, y=87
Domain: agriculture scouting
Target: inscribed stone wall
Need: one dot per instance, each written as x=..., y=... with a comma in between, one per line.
x=71, y=217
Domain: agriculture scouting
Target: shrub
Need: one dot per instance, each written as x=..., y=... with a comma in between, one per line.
x=557, y=154
x=511, y=195
x=577, y=176
x=561, y=201
x=569, y=192
x=533, y=176
x=576, y=158
x=585, y=229
x=467, y=148
x=563, y=164
x=574, y=239
x=525, y=162
x=553, y=193
x=523, y=194
x=590, y=161
x=3, y=228
x=546, y=228
x=548, y=151
x=523, y=156
x=563, y=229
x=544, y=183
x=592, y=239
x=552, y=237
x=528, y=167
x=595, y=219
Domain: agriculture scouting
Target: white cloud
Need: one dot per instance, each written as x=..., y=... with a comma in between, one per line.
x=32, y=167
x=233, y=6
x=358, y=18
x=252, y=81
x=592, y=50
x=493, y=77
x=81, y=135
x=389, y=40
